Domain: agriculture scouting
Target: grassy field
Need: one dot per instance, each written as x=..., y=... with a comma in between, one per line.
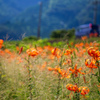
x=40, y=70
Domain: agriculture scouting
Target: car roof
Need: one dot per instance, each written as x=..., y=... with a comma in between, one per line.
x=84, y=25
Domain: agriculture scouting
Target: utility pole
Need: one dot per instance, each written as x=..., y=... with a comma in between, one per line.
x=39, y=23
x=95, y=3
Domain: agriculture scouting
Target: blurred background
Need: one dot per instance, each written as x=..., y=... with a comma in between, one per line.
x=21, y=18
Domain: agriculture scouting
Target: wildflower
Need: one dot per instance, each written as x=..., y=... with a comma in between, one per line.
x=84, y=90
x=1, y=42
x=87, y=45
x=81, y=44
x=91, y=65
x=95, y=34
x=32, y=52
x=48, y=48
x=71, y=43
x=2, y=52
x=50, y=69
x=72, y=87
x=62, y=72
x=56, y=52
x=84, y=38
x=65, y=74
x=98, y=85
x=0, y=46
x=91, y=35
x=7, y=51
x=39, y=49
x=75, y=88
x=20, y=51
x=75, y=71
x=93, y=52
x=68, y=52
x=17, y=48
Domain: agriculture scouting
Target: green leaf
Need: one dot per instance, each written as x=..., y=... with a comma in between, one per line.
x=2, y=76
x=99, y=79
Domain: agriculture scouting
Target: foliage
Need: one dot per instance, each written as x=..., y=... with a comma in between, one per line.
x=34, y=38
x=71, y=33
x=63, y=34
x=58, y=34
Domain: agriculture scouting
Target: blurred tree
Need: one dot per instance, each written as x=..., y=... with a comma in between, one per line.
x=58, y=33
x=63, y=33
x=30, y=38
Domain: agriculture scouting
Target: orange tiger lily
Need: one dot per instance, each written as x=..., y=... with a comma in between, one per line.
x=50, y=69
x=84, y=38
x=84, y=90
x=62, y=72
x=1, y=42
x=91, y=65
x=67, y=52
x=75, y=71
x=32, y=52
x=93, y=52
x=72, y=87
x=56, y=52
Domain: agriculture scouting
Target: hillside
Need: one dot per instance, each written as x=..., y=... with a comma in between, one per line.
x=11, y=8
x=55, y=15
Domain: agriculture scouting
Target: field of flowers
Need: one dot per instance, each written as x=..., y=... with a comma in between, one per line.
x=71, y=72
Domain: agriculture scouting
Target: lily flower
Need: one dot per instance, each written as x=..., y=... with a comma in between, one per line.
x=75, y=71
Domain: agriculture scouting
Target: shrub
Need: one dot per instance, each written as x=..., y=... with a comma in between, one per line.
x=63, y=33
x=58, y=33
x=30, y=38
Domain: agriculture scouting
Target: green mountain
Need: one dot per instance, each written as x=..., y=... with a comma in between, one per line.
x=11, y=8
x=56, y=14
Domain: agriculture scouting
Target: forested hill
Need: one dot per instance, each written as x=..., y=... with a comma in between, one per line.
x=11, y=8
x=21, y=16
